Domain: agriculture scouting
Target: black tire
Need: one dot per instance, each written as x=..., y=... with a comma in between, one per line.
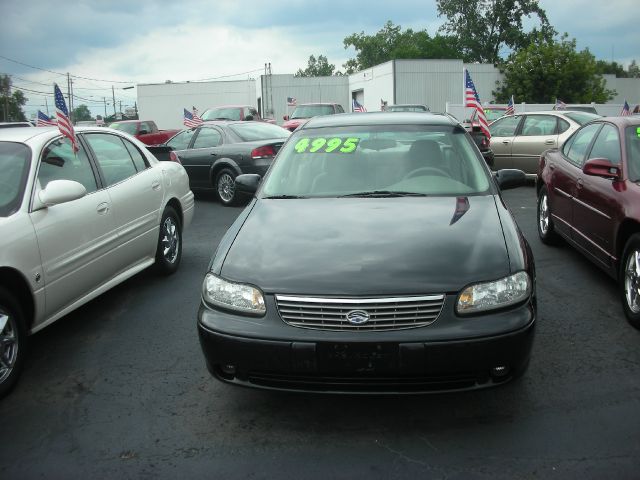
x=546, y=228
x=169, y=250
x=225, y=185
x=630, y=280
x=13, y=341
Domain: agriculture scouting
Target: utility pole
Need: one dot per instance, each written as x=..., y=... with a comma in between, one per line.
x=46, y=104
x=69, y=96
x=113, y=94
x=105, y=106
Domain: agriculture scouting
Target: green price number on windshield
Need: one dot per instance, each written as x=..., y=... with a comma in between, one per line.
x=324, y=145
x=638, y=131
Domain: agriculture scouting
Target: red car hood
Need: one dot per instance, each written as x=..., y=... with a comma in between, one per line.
x=294, y=123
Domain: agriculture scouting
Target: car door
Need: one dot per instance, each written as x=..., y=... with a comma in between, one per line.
x=537, y=133
x=503, y=132
x=197, y=161
x=136, y=192
x=597, y=202
x=75, y=238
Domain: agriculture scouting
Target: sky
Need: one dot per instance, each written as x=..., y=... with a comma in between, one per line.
x=109, y=45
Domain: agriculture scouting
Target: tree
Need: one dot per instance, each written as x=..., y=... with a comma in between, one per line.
x=547, y=70
x=486, y=27
x=612, y=68
x=11, y=103
x=81, y=113
x=634, y=70
x=392, y=43
x=318, y=68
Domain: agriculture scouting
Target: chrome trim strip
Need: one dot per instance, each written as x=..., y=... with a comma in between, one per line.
x=359, y=301
x=562, y=192
x=593, y=209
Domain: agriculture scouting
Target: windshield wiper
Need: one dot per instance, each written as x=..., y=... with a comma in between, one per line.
x=384, y=193
x=280, y=197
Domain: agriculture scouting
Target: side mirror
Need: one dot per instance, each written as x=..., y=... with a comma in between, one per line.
x=61, y=191
x=601, y=167
x=248, y=118
x=510, y=178
x=143, y=132
x=248, y=183
x=285, y=117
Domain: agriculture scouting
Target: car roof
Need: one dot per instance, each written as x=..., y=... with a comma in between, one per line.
x=24, y=134
x=317, y=103
x=380, y=118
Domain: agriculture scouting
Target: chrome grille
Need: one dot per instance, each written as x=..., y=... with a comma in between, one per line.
x=384, y=313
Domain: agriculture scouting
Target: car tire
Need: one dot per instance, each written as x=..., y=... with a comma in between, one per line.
x=225, y=186
x=13, y=341
x=546, y=228
x=630, y=280
x=169, y=249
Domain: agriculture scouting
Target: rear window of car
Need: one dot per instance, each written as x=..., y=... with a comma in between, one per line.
x=15, y=159
x=308, y=111
x=402, y=159
x=251, y=131
x=581, y=117
x=129, y=128
x=231, y=113
x=632, y=139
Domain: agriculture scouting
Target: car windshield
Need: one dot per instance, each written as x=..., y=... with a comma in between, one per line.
x=14, y=165
x=493, y=114
x=251, y=131
x=223, y=113
x=129, y=128
x=308, y=111
x=632, y=135
x=581, y=117
x=380, y=160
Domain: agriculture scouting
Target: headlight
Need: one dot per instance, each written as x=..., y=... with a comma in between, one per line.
x=491, y=295
x=231, y=295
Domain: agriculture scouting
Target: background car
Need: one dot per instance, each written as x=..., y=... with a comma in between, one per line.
x=15, y=124
x=76, y=224
x=406, y=108
x=518, y=140
x=305, y=111
x=377, y=256
x=245, y=113
x=215, y=153
x=589, y=195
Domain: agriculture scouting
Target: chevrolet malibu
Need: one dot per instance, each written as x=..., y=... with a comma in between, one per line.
x=377, y=256
x=75, y=224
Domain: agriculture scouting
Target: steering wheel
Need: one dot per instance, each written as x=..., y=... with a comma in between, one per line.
x=419, y=171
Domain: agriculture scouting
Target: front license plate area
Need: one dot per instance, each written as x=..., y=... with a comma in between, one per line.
x=357, y=358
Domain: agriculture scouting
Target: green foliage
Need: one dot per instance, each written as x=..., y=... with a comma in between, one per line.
x=549, y=69
x=612, y=68
x=634, y=70
x=487, y=27
x=319, y=67
x=391, y=43
x=11, y=103
x=81, y=113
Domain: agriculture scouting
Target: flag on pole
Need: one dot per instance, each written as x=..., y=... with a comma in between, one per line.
x=510, y=107
x=625, y=109
x=291, y=101
x=357, y=107
x=472, y=100
x=560, y=105
x=190, y=120
x=44, y=121
x=194, y=112
x=62, y=115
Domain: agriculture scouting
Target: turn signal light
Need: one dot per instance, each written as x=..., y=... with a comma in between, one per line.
x=174, y=158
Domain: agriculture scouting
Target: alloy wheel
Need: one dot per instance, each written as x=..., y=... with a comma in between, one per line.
x=170, y=239
x=8, y=345
x=632, y=281
x=544, y=215
x=226, y=187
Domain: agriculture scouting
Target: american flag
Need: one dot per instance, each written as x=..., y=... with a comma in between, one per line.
x=357, y=107
x=62, y=114
x=510, y=108
x=472, y=99
x=291, y=101
x=560, y=105
x=625, y=109
x=190, y=120
x=44, y=121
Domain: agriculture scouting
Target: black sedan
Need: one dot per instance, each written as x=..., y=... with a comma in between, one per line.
x=376, y=256
x=216, y=152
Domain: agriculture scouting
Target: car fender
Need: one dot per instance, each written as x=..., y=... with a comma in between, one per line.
x=221, y=163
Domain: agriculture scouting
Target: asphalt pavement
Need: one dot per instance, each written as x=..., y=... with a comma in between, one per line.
x=119, y=389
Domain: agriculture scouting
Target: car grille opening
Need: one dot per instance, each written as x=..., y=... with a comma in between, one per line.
x=394, y=313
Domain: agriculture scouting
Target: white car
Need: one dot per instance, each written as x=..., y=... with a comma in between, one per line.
x=73, y=226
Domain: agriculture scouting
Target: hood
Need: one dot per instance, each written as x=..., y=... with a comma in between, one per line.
x=294, y=123
x=369, y=246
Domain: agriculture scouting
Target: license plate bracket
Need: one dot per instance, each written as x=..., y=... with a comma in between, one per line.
x=357, y=357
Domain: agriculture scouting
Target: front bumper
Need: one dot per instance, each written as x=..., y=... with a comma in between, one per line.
x=401, y=361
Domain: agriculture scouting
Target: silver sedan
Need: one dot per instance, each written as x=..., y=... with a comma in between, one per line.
x=518, y=140
x=74, y=225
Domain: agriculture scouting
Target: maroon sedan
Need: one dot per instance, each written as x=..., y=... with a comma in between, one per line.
x=589, y=194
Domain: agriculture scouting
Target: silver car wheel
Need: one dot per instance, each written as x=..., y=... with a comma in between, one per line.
x=170, y=240
x=544, y=215
x=226, y=187
x=632, y=281
x=8, y=345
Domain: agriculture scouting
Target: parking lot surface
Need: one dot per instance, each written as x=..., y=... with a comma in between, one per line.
x=119, y=389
